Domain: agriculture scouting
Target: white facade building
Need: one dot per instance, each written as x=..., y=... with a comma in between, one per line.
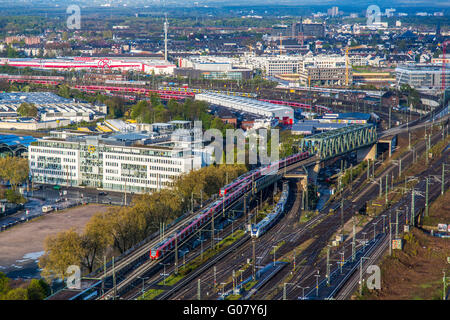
x=263, y=109
x=122, y=162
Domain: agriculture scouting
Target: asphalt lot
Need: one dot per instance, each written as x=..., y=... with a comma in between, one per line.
x=65, y=197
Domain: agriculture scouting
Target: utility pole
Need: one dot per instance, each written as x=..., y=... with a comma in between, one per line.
x=409, y=140
x=234, y=281
x=396, y=224
x=354, y=241
x=443, y=178
x=176, y=252
x=374, y=232
x=104, y=275
x=426, y=198
x=360, y=274
x=294, y=258
x=373, y=169
x=342, y=213
x=445, y=284
x=245, y=208
x=387, y=185
x=381, y=187
x=392, y=181
x=274, y=251
x=215, y=278
x=412, y=206
x=328, y=265
x=198, y=290
x=114, y=279
x=317, y=283
x=254, y=259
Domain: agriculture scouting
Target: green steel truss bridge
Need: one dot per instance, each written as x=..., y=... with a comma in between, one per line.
x=327, y=145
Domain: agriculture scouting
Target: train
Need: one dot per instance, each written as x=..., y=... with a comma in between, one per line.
x=265, y=224
x=195, y=90
x=27, y=77
x=230, y=194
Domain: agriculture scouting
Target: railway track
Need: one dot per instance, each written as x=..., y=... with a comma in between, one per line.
x=404, y=202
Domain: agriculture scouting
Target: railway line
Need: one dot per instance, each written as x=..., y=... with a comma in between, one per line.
x=136, y=265
x=400, y=205
x=278, y=233
x=351, y=284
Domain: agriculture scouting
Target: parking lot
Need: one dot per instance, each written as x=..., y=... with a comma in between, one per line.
x=59, y=199
x=21, y=246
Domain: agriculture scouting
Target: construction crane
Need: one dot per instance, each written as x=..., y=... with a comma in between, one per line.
x=347, y=62
x=281, y=41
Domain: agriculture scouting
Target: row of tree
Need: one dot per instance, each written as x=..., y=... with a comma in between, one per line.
x=35, y=290
x=154, y=111
x=119, y=228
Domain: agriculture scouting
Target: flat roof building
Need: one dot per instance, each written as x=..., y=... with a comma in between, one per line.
x=50, y=106
x=133, y=162
x=263, y=109
x=422, y=76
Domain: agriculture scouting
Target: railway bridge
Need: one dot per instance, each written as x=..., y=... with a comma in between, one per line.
x=361, y=138
x=356, y=137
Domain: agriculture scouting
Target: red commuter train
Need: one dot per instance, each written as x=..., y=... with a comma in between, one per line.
x=229, y=193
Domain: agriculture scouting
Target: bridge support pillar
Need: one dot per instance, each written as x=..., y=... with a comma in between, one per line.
x=369, y=152
x=388, y=143
x=313, y=172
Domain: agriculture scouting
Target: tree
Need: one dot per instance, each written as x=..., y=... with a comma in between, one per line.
x=127, y=227
x=17, y=294
x=4, y=284
x=4, y=85
x=14, y=169
x=37, y=290
x=27, y=110
x=95, y=240
x=61, y=251
x=116, y=107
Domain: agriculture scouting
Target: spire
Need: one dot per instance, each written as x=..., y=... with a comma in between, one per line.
x=166, y=27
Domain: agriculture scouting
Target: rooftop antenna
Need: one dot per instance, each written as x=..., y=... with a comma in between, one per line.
x=166, y=27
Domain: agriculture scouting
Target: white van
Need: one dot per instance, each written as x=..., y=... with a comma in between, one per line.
x=46, y=209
